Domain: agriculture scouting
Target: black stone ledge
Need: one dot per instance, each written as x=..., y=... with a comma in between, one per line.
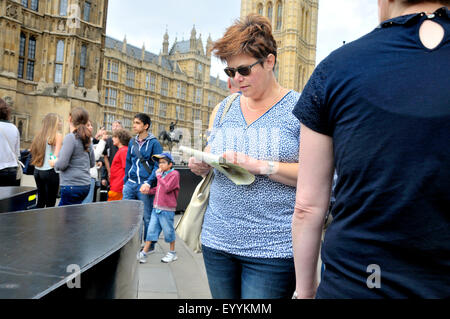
x=38, y=246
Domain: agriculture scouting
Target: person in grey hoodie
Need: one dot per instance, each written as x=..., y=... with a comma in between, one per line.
x=75, y=160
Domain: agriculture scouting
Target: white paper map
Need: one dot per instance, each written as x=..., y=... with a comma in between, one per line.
x=237, y=174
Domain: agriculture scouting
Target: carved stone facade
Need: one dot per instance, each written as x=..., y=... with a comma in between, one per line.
x=174, y=85
x=54, y=56
x=294, y=25
x=51, y=59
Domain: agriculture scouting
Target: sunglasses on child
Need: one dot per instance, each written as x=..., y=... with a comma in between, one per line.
x=244, y=70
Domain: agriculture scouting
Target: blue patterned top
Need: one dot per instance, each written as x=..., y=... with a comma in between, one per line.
x=253, y=220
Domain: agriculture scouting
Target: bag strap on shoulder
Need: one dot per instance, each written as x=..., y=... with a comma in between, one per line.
x=228, y=105
x=141, y=159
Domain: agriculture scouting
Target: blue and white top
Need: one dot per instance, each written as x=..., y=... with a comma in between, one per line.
x=46, y=165
x=253, y=220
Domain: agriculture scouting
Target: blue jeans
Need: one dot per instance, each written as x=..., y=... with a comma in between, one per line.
x=161, y=221
x=237, y=277
x=73, y=195
x=90, y=197
x=131, y=191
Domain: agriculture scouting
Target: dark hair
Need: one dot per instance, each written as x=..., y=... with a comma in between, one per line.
x=123, y=136
x=80, y=118
x=443, y=2
x=5, y=111
x=168, y=160
x=144, y=118
x=251, y=35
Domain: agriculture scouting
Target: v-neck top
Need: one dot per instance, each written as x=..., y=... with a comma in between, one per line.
x=253, y=220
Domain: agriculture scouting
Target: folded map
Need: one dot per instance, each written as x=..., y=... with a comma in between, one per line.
x=237, y=174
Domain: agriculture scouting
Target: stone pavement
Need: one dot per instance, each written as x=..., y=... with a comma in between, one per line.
x=184, y=278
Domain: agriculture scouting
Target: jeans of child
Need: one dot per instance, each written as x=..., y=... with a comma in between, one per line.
x=161, y=221
x=47, y=182
x=237, y=277
x=73, y=195
x=131, y=191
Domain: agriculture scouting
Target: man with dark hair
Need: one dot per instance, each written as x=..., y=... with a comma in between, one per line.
x=140, y=170
x=9, y=148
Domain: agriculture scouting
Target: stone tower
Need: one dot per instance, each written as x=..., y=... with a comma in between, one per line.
x=294, y=25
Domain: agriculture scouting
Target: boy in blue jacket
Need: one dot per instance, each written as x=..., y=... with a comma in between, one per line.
x=140, y=174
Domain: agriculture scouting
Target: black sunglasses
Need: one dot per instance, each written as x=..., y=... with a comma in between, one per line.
x=242, y=70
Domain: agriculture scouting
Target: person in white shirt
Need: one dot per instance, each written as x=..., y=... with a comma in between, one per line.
x=9, y=148
x=98, y=151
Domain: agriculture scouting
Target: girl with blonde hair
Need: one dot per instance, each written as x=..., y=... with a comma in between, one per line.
x=47, y=143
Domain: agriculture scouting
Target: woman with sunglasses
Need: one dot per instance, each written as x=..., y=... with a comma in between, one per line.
x=246, y=235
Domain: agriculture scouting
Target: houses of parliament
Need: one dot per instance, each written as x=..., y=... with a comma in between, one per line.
x=55, y=55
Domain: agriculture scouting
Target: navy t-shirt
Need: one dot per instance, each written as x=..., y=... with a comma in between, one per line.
x=385, y=101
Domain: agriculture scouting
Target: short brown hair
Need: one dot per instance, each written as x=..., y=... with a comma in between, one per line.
x=123, y=136
x=251, y=35
x=5, y=110
x=443, y=2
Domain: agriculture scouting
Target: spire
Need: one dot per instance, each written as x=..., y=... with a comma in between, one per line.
x=143, y=51
x=193, y=39
x=209, y=45
x=166, y=43
x=124, y=46
x=193, y=33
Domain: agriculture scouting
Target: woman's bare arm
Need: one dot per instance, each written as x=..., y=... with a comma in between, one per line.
x=315, y=177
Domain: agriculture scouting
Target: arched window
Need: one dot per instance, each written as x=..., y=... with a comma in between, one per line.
x=83, y=64
x=60, y=51
x=62, y=7
x=34, y=5
x=270, y=11
x=260, y=9
x=31, y=58
x=59, y=61
x=23, y=40
x=27, y=56
x=279, y=15
x=20, y=127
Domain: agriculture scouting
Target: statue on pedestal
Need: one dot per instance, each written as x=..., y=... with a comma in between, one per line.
x=173, y=136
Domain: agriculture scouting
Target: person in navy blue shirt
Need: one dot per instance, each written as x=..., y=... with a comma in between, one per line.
x=377, y=110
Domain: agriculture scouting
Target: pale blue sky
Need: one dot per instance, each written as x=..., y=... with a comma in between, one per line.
x=146, y=21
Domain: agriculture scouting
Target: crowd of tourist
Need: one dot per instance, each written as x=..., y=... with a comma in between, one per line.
x=370, y=129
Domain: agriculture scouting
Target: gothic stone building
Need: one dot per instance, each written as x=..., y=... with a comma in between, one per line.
x=174, y=85
x=54, y=56
x=51, y=59
x=294, y=24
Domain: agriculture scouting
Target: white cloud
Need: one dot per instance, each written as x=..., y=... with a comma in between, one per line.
x=144, y=21
x=343, y=20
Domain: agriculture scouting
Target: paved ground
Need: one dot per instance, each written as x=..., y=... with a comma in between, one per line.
x=184, y=278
